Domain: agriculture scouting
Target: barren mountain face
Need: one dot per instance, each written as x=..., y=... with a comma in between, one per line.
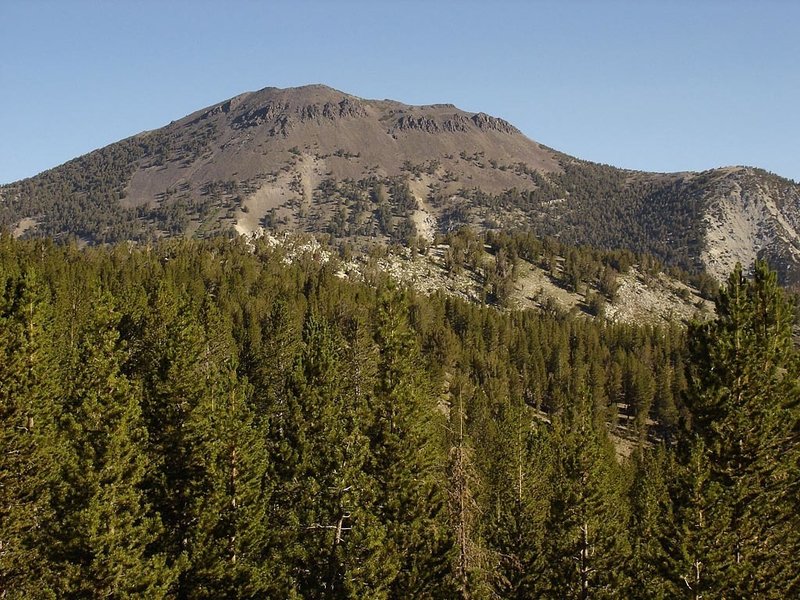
x=364, y=171
x=749, y=216
x=253, y=137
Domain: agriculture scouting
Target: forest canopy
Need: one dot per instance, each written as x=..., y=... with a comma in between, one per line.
x=204, y=419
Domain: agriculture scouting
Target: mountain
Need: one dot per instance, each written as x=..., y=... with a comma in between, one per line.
x=319, y=160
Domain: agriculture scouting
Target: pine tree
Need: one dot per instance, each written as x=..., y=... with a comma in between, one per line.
x=665, y=408
x=231, y=481
x=462, y=487
x=652, y=526
x=105, y=527
x=696, y=554
x=744, y=397
x=406, y=463
x=362, y=553
x=587, y=552
x=30, y=451
x=333, y=543
x=170, y=360
x=515, y=514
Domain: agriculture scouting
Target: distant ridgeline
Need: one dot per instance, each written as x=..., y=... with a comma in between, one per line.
x=201, y=419
x=320, y=161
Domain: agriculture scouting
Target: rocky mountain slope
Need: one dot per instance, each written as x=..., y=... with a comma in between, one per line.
x=750, y=215
x=637, y=297
x=317, y=160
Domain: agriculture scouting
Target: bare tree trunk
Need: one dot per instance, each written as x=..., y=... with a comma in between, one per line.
x=234, y=473
x=584, y=561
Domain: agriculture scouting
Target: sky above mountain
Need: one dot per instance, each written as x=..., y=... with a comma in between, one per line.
x=658, y=86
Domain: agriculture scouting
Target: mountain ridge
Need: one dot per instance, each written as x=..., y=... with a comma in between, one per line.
x=319, y=160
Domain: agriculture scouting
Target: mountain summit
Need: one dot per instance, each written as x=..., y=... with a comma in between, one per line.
x=319, y=160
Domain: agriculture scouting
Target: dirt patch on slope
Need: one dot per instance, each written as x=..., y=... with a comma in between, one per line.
x=645, y=299
x=257, y=206
x=24, y=225
x=424, y=217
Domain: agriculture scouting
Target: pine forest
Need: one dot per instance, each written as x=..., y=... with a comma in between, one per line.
x=207, y=419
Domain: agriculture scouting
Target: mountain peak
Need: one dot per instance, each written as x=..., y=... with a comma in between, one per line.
x=313, y=92
x=319, y=160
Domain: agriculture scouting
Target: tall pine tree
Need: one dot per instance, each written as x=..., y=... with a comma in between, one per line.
x=30, y=448
x=106, y=528
x=744, y=400
x=407, y=459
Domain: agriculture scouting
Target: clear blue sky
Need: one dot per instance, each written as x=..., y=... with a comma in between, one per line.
x=654, y=85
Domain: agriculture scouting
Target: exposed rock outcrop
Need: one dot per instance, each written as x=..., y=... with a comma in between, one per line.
x=420, y=123
x=255, y=117
x=490, y=123
x=752, y=215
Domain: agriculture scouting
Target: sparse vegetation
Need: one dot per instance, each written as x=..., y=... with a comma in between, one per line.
x=108, y=195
